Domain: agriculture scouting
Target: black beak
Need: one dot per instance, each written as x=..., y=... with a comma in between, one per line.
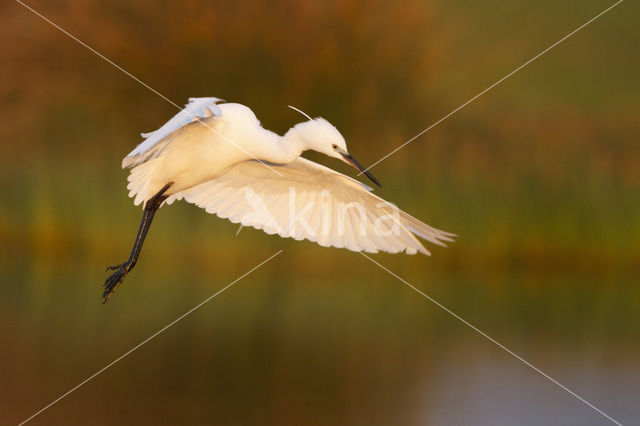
x=350, y=160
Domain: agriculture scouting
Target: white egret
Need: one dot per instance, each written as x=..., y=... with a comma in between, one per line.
x=217, y=155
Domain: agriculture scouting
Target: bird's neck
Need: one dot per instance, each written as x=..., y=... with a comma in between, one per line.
x=285, y=149
x=280, y=149
x=293, y=145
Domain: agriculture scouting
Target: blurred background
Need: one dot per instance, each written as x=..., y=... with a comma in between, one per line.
x=540, y=178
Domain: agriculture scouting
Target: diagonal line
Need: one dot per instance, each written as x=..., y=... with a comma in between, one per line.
x=148, y=338
x=127, y=73
x=493, y=85
x=500, y=345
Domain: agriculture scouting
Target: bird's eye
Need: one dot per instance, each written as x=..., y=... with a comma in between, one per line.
x=334, y=146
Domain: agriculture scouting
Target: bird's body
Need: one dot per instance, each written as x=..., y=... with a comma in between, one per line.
x=220, y=158
x=199, y=151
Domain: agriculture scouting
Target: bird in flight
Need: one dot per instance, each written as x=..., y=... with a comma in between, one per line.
x=217, y=156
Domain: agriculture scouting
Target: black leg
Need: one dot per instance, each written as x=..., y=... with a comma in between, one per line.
x=150, y=208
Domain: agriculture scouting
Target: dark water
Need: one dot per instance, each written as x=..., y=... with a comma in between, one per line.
x=331, y=340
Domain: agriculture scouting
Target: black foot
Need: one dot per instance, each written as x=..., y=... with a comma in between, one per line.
x=115, y=279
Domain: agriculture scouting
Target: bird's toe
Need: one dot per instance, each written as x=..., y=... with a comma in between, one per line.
x=115, y=267
x=114, y=280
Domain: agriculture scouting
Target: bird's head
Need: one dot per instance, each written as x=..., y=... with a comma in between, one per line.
x=321, y=136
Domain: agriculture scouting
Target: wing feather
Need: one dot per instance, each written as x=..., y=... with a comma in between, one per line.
x=330, y=208
x=155, y=142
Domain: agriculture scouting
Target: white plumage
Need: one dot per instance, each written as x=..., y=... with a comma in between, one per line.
x=218, y=157
x=196, y=108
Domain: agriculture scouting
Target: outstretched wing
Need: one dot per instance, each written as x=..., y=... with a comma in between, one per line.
x=196, y=109
x=310, y=201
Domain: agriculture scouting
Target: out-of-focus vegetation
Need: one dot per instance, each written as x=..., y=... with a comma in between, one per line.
x=540, y=178
x=543, y=169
